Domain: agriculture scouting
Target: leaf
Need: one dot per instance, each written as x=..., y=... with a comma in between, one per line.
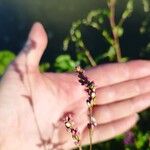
x=146, y=5
x=64, y=63
x=44, y=67
x=78, y=34
x=119, y=30
x=66, y=43
x=128, y=10
x=81, y=57
x=6, y=57
x=141, y=140
x=110, y=55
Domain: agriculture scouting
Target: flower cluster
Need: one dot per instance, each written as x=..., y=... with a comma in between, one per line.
x=92, y=122
x=90, y=86
x=69, y=124
x=68, y=121
x=91, y=90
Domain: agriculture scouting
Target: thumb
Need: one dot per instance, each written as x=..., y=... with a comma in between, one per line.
x=32, y=52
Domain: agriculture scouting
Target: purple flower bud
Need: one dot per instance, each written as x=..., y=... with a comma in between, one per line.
x=89, y=125
x=129, y=138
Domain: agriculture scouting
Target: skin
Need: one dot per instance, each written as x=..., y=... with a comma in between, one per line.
x=32, y=104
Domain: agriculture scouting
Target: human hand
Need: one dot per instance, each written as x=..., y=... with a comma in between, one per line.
x=33, y=103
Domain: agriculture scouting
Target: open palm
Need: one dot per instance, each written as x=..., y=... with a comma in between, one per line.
x=32, y=104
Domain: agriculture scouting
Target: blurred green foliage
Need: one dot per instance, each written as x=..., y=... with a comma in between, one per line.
x=44, y=67
x=64, y=63
x=6, y=57
x=98, y=20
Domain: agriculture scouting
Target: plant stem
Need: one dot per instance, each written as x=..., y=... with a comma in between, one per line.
x=80, y=147
x=90, y=130
x=90, y=58
x=90, y=135
x=121, y=22
x=112, y=6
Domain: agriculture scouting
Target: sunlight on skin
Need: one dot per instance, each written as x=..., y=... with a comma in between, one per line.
x=32, y=104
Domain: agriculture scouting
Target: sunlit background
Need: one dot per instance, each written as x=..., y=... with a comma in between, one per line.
x=17, y=17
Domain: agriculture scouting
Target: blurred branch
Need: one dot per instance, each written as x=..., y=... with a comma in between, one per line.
x=146, y=5
x=76, y=37
x=112, y=7
x=90, y=58
x=128, y=11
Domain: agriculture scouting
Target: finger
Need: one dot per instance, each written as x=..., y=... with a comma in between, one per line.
x=110, y=130
x=118, y=72
x=34, y=47
x=122, y=90
x=118, y=110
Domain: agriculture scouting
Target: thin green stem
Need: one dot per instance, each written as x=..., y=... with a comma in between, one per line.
x=90, y=58
x=121, y=22
x=80, y=147
x=116, y=43
x=91, y=140
x=90, y=129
